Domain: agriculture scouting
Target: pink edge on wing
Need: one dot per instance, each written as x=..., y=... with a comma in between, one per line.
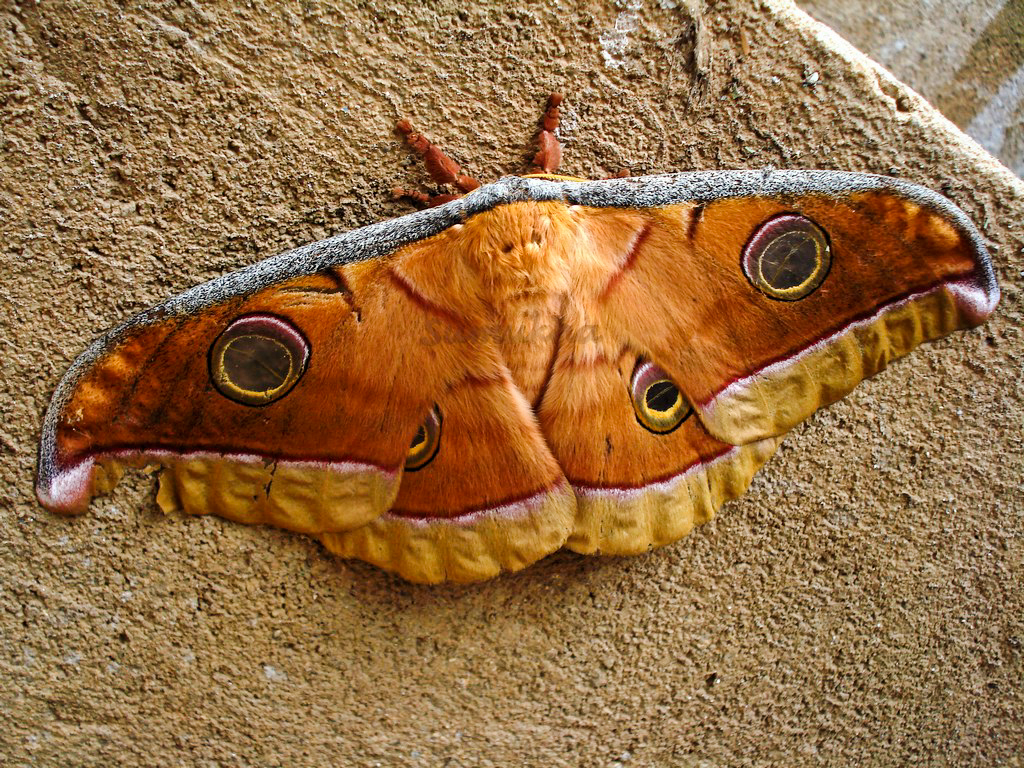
x=973, y=300
x=70, y=490
x=665, y=484
x=160, y=455
x=509, y=510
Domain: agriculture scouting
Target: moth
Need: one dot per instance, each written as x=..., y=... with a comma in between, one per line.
x=537, y=363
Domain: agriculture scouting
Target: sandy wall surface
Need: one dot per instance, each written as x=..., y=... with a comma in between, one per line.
x=860, y=605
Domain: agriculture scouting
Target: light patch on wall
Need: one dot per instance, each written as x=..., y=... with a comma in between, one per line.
x=990, y=126
x=615, y=41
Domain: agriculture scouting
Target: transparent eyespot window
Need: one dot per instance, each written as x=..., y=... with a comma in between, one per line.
x=787, y=258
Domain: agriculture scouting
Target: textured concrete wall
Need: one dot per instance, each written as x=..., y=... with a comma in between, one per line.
x=860, y=605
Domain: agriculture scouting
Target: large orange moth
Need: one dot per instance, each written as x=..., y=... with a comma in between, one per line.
x=543, y=362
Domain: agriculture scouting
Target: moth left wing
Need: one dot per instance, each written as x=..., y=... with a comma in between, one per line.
x=316, y=403
x=243, y=398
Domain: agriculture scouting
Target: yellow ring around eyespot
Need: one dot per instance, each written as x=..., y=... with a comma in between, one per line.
x=663, y=411
x=418, y=452
x=258, y=396
x=813, y=279
x=422, y=452
x=552, y=177
x=661, y=421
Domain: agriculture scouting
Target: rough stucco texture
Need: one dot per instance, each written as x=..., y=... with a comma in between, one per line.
x=860, y=605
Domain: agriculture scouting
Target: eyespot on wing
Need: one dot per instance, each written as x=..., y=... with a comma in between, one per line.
x=258, y=359
x=787, y=258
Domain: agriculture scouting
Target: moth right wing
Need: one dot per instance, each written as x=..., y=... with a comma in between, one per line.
x=756, y=307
